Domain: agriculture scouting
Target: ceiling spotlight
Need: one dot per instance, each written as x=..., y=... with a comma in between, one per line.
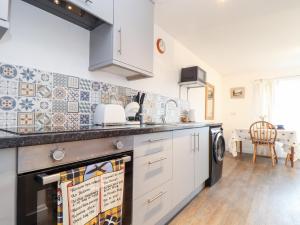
x=57, y=2
x=70, y=7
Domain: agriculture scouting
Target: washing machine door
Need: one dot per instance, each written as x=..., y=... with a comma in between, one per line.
x=219, y=148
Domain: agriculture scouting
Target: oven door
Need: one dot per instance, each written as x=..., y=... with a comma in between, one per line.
x=37, y=203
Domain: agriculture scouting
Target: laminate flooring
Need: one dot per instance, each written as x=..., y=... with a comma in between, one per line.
x=248, y=194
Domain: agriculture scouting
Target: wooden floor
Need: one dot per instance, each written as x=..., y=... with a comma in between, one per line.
x=248, y=195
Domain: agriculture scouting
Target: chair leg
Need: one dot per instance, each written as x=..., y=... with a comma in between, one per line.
x=272, y=155
x=254, y=153
x=276, y=157
x=287, y=158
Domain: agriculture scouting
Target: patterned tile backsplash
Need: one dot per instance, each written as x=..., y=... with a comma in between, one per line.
x=31, y=97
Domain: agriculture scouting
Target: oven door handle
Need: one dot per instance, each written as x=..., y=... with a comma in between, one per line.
x=45, y=179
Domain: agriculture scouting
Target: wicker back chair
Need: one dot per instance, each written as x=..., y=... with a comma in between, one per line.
x=264, y=133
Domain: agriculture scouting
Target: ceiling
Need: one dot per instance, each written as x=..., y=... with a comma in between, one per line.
x=237, y=37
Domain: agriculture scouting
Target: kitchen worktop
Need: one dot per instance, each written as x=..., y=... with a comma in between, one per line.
x=13, y=140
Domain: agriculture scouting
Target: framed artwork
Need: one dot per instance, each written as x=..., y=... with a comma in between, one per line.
x=238, y=92
x=209, y=102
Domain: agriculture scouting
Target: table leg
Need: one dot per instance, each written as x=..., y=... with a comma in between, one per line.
x=292, y=155
x=239, y=146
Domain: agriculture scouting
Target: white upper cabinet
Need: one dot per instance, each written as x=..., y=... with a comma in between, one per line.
x=103, y=9
x=4, y=8
x=126, y=47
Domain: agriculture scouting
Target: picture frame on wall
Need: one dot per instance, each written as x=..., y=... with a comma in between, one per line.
x=209, y=102
x=237, y=92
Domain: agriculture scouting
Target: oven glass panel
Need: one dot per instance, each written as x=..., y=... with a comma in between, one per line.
x=46, y=206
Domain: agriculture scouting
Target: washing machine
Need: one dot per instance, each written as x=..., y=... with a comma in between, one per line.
x=216, y=154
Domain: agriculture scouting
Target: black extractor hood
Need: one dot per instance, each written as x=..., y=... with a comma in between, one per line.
x=68, y=11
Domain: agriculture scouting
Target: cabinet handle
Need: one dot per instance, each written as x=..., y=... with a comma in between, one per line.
x=156, y=140
x=120, y=36
x=89, y=1
x=198, y=135
x=193, y=142
x=156, y=161
x=156, y=197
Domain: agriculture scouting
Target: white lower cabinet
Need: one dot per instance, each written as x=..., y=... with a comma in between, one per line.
x=150, y=208
x=151, y=172
x=169, y=168
x=183, y=164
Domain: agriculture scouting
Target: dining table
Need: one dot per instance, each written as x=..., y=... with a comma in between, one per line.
x=286, y=142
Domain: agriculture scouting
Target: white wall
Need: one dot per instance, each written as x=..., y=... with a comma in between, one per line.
x=238, y=113
x=40, y=40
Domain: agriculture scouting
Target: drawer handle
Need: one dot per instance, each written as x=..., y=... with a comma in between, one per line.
x=156, y=197
x=156, y=161
x=156, y=140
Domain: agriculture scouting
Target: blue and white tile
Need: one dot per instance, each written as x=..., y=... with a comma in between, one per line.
x=45, y=78
x=58, y=119
x=73, y=94
x=85, y=96
x=59, y=106
x=8, y=104
x=43, y=105
x=96, y=86
x=8, y=119
x=73, y=82
x=84, y=107
x=95, y=97
x=43, y=91
x=27, y=104
x=59, y=93
x=85, y=84
x=84, y=119
x=42, y=119
x=27, y=74
x=73, y=107
x=60, y=80
x=8, y=87
x=8, y=72
x=73, y=121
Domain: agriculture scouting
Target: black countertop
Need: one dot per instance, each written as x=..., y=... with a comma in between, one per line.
x=10, y=140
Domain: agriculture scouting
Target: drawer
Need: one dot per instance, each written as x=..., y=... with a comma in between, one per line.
x=153, y=206
x=151, y=171
x=148, y=144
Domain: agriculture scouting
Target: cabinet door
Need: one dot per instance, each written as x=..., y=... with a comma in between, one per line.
x=134, y=33
x=183, y=164
x=4, y=10
x=201, y=156
x=102, y=9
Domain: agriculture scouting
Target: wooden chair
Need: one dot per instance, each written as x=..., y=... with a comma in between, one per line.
x=264, y=133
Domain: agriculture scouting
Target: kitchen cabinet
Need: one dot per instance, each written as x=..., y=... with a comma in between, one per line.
x=190, y=161
x=126, y=47
x=103, y=9
x=8, y=185
x=4, y=9
x=201, y=158
x=183, y=164
x=152, y=175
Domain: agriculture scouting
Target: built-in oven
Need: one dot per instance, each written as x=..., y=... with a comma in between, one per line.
x=39, y=169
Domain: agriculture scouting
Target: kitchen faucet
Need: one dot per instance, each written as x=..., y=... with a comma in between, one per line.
x=163, y=117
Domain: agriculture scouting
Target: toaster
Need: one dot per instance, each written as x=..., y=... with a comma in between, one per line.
x=109, y=114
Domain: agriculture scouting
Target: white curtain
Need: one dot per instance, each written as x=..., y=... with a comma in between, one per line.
x=263, y=100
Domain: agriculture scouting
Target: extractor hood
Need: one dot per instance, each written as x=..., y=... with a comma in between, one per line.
x=69, y=12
